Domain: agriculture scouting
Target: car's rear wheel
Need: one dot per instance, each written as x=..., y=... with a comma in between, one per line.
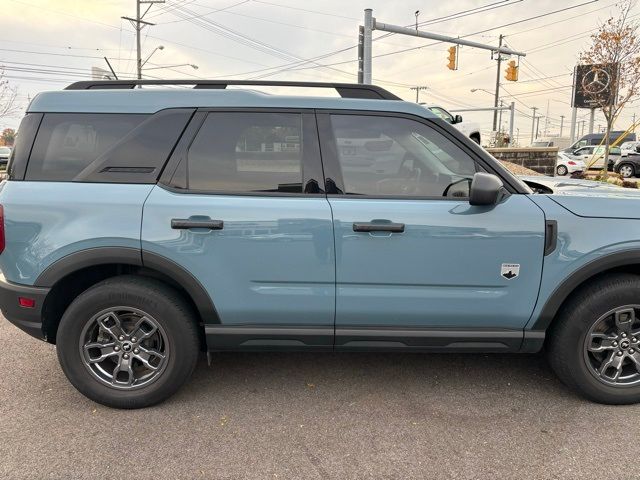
x=626, y=170
x=562, y=170
x=128, y=342
x=594, y=344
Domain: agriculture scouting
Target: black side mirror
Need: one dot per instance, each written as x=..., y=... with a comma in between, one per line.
x=485, y=189
x=457, y=119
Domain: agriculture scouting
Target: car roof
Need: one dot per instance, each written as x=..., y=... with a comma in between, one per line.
x=156, y=99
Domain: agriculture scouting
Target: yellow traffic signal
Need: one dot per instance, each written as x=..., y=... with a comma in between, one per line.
x=512, y=71
x=453, y=58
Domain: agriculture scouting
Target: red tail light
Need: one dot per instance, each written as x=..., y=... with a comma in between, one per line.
x=2, y=242
x=571, y=162
x=25, y=302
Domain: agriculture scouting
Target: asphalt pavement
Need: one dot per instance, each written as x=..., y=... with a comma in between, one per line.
x=315, y=416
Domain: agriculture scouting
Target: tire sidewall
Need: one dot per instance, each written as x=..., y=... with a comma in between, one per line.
x=180, y=361
x=574, y=334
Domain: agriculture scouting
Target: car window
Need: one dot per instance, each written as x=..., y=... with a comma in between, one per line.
x=443, y=114
x=68, y=142
x=5, y=150
x=247, y=152
x=381, y=156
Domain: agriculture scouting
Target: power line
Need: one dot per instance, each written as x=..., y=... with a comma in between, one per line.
x=463, y=36
x=290, y=7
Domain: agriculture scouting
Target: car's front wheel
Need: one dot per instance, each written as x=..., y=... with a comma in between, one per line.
x=626, y=170
x=562, y=170
x=594, y=344
x=128, y=342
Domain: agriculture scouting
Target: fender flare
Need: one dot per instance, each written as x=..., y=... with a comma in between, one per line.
x=567, y=287
x=132, y=256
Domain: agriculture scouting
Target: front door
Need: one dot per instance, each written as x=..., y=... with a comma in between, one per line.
x=245, y=216
x=416, y=264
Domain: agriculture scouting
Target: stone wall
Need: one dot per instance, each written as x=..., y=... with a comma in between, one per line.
x=541, y=160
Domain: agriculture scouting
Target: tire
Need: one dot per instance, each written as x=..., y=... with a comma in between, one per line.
x=588, y=315
x=562, y=170
x=627, y=170
x=104, y=321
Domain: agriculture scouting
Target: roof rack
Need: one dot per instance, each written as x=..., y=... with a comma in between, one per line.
x=345, y=90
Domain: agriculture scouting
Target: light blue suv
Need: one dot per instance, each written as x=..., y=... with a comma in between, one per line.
x=143, y=225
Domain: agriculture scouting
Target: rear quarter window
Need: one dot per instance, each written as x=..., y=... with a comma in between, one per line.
x=67, y=143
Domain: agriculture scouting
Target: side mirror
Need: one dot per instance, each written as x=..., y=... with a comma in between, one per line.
x=457, y=119
x=485, y=189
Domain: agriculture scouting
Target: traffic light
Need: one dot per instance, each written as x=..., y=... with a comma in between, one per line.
x=512, y=71
x=453, y=58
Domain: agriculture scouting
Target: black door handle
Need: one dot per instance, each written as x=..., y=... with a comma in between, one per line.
x=378, y=227
x=185, y=223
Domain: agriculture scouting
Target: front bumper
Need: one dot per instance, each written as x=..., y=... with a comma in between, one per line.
x=26, y=319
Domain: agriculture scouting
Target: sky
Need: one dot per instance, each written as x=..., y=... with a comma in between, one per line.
x=48, y=44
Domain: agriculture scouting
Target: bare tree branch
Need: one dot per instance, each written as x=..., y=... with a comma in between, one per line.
x=615, y=46
x=8, y=98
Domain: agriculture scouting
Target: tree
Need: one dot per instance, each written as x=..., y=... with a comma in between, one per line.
x=8, y=96
x=8, y=136
x=615, y=51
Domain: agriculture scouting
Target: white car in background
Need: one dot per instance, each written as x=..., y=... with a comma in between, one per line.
x=565, y=165
x=470, y=129
x=629, y=147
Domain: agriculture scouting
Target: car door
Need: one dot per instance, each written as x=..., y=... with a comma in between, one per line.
x=416, y=264
x=240, y=208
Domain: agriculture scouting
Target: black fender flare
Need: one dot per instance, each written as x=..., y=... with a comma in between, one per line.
x=131, y=256
x=611, y=261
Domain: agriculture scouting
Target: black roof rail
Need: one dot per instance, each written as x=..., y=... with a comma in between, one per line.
x=345, y=90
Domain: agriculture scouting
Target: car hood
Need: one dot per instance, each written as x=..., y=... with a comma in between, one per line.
x=587, y=198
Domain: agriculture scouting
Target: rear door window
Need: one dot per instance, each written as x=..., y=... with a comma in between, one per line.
x=247, y=152
x=68, y=142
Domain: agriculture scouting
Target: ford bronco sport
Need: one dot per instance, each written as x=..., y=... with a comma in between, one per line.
x=143, y=225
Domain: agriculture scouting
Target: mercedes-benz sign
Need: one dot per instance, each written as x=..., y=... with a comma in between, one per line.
x=594, y=85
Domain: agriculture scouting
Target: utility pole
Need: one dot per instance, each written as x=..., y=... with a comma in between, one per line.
x=561, y=124
x=417, y=89
x=533, y=124
x=500, y=116
x=538, y=125
x=495, y=100
x=138, y=24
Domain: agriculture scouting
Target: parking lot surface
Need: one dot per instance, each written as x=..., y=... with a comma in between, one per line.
x=313, y=415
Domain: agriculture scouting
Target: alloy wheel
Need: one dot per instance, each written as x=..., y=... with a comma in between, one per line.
x=124, y=348
x=612, y=347
x=626, y=171
x=562, y=170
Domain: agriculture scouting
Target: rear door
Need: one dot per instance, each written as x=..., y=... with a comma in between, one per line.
x=416, y=264
x=242, y=210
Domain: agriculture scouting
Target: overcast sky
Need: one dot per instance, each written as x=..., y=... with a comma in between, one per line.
x=47, y=44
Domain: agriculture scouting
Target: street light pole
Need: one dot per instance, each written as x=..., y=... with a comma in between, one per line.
x=561, y=124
